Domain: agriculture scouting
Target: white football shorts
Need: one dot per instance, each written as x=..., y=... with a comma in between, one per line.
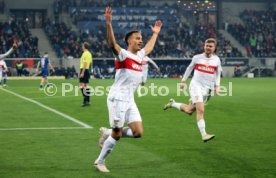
x=198, y=93
x=121, y=112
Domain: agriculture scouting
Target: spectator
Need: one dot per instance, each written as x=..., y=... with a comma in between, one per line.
x=237, y=71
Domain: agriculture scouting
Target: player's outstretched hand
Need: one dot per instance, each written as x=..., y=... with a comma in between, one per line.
x=108, y=15
x=158, y=70
x=157, y=27
x=183, y=85
x=16, y=44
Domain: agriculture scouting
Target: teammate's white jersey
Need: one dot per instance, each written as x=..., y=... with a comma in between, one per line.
x=3, y=66
x=207, y=71
x=145, y=67
x=128, y=75
x=145, y=64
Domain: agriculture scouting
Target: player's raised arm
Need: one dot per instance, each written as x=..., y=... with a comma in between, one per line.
x=37, y=67
x=150, y=44
x=187, y=73
x=218, y=74
x=110, y=34
x=14, y=46
x=153, y=63
x=51, y=66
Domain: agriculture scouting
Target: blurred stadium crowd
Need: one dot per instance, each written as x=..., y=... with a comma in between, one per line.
x=177, y=39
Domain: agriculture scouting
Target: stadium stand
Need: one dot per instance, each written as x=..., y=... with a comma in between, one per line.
x=14, y=29
x=258, y=32
x=177, y=39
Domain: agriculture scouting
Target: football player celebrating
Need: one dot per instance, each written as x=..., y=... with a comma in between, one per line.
x=207, y=71
x=3, y=66
x=120, y=101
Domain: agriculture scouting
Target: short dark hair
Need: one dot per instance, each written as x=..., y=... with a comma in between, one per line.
x=86, y=45
x=128, y=34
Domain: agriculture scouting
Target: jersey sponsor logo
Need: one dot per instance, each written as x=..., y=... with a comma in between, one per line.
x=206, y=68
x=130, y=64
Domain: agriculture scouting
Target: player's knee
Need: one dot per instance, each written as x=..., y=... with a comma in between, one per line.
x=117, y=134
x=200, y=110
x=138, y=134
x=190, y=112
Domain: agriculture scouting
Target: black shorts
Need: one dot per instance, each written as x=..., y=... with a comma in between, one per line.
x=85, y=78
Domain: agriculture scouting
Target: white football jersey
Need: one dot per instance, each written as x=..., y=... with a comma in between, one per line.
x=206, y=70
x=3, y=65
x=128, y=75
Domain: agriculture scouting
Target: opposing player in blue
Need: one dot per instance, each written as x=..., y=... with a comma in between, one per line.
x=44, y=63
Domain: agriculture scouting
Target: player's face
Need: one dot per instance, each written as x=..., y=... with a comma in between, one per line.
x=135, y=41
x=209, y=48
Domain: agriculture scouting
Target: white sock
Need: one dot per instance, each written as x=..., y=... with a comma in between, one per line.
x=201, y=126
x=106, y=150
x=108, y=132
x=176, y=105
x=127, y=132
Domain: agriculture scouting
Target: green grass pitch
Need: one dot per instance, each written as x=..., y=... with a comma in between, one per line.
x=244, y=125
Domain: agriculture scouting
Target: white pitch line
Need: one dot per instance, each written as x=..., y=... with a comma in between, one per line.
x=49, y=109
x=53, y=97
x=50, y=128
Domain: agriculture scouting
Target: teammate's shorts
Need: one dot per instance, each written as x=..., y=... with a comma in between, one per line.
x=198, y=93
x=85, y=78
x=44, y=73
x=121, y=112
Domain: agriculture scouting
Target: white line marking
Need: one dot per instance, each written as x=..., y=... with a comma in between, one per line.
x=50, y=128
x=53, y=97
x=49, y=109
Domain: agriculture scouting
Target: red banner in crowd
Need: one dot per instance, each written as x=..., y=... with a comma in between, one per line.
x=28, y=63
